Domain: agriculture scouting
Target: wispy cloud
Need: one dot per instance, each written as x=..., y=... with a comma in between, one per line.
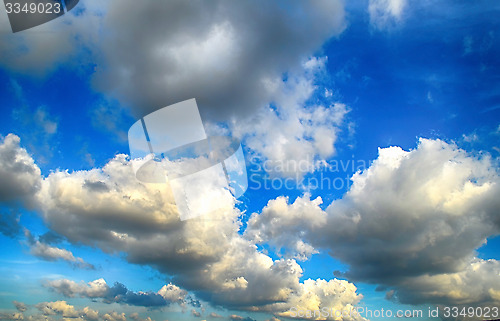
x=37, y=125
x=386, y=13
x=52, y=253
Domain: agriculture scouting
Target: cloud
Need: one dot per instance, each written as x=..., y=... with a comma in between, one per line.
x=316, y=295
x=207, y=49
x=384, y=13
x=58, y=308
x=471, y=138
x=186, y=50
x=62, y=310
x=51, y=45
x=236, y=317
x=53, y=253
x=20, y=306
x=296, y=219
x=135, y=316
x=20, y=176
x=50, y=238
x=411, y=219
x=90, y=314
x=94, y=289
x=206, y=256
x=475, y=285
x=11, y=316
x=425, y=211
x=114, y=316
x=119, y=293
x=292, y=131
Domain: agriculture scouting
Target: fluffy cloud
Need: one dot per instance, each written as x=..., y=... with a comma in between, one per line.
x=90, y=314
x=20, y=176
x=11, y=316
x=94, y=289
x=135, y=316
x=411, y=220
x=114, y=316
x=110, y=209
x=383, y=13
x=316, y=295
x=296, y=219
x=21, y=179
x=425, y=211
x=119, y=293
x=58, y=307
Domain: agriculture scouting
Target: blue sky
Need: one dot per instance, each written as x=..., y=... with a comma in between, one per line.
x=393, y=108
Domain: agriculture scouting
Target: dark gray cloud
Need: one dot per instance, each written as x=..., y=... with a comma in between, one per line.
x=50, y=238
x=120, y=294
x=225, y=54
